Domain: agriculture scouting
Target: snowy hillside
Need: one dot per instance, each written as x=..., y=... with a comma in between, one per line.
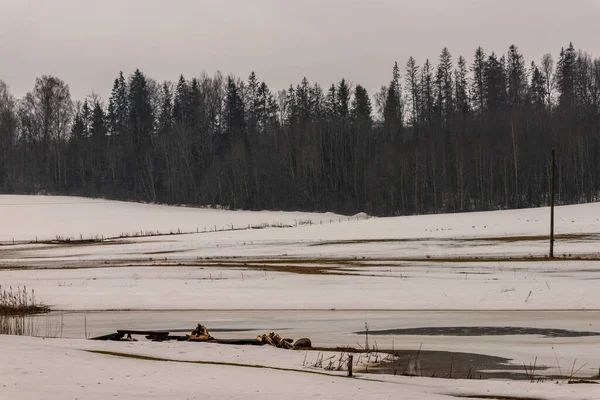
x=25, y=218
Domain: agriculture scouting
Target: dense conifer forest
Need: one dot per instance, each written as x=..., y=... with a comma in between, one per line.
x=446, y=135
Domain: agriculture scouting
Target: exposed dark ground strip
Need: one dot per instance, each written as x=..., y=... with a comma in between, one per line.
x=329, y=266
x=522, y=238
x=481, y=331
x=340, y=310
x=493, y=397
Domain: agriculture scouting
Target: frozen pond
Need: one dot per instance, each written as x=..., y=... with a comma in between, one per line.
x=329, y=328
x=485, y=338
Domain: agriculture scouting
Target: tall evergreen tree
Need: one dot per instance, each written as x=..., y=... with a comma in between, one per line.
x=565, y=77
x=182, y=102
x=393, y=112
x=412, y=87
x=517, y=78
x=165, y=117
x=98, y=125
x=427, y=92
x=361, y=105
x=118, y=107
x=461, y=87
x=537, y=88
x=444, y=85
x=234, y=109
x=303, y=101
x=495, y=83
x=343, y=99
x=478, y=87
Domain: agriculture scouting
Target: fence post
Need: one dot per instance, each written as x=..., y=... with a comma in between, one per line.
x=350, y=357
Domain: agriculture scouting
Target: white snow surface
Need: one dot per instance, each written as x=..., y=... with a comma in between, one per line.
x=25, y=218
x=371, y=265
x=226, y=270
x=35, y=368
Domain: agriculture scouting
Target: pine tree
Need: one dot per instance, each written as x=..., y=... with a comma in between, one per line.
x=331, y=102
x=234, y=109
x=98, y=126
x=165, y=118
x=267, y=108
x=317, y=102
x=427, y=93
x=118, y=107
x=78, y=126
x=291, y=107
x=181, y=102
x=444, y=85
x=393, y=111
x=86, y=118
x=343, y=99
x=303, y=101
x=478, y=88
x=495, y=83
x=461, y=87
x=517, y=78
x=361, y=105
x=196, y=115
x=537, y=88
x=412, y=87
x=565, y=77
x=253, y=102
x=141, y=118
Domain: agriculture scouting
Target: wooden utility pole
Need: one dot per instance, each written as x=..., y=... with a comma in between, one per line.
x=552, y=187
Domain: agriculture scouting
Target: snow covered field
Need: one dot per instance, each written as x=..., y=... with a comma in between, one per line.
x=57, y=369
x=482, y=261
x=27, y=218
x=488, y=262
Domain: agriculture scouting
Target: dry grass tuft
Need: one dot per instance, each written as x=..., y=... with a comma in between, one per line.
x=19, y=302
x=16, y=308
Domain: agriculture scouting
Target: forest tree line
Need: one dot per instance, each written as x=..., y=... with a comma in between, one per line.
x=455, y=136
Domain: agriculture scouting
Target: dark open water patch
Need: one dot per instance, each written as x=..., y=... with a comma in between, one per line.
x=481, y=331
x=453, y=365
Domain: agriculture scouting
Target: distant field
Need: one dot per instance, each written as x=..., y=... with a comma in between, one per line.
x=25, y=218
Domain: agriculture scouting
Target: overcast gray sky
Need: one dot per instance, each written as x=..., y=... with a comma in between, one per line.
x=87, y=42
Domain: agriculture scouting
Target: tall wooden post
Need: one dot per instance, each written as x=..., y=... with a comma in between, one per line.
x=552, y=189
x=350, y=357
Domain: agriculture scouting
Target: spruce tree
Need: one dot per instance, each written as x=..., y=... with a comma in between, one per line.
x=517, y=78
x=495, y=83
x=181, y=102
x=361, y=105
x=445, y=88
x=537, y=88
x=427, y=93
x=165, y=117
x=343, y=99
x=412, y=87
x=98, y=124
x=234, y=109
x=393, y=111
x=478, y=88
x=565, y=77
x=118, y=107
x=303, y=101
x=461, y=87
